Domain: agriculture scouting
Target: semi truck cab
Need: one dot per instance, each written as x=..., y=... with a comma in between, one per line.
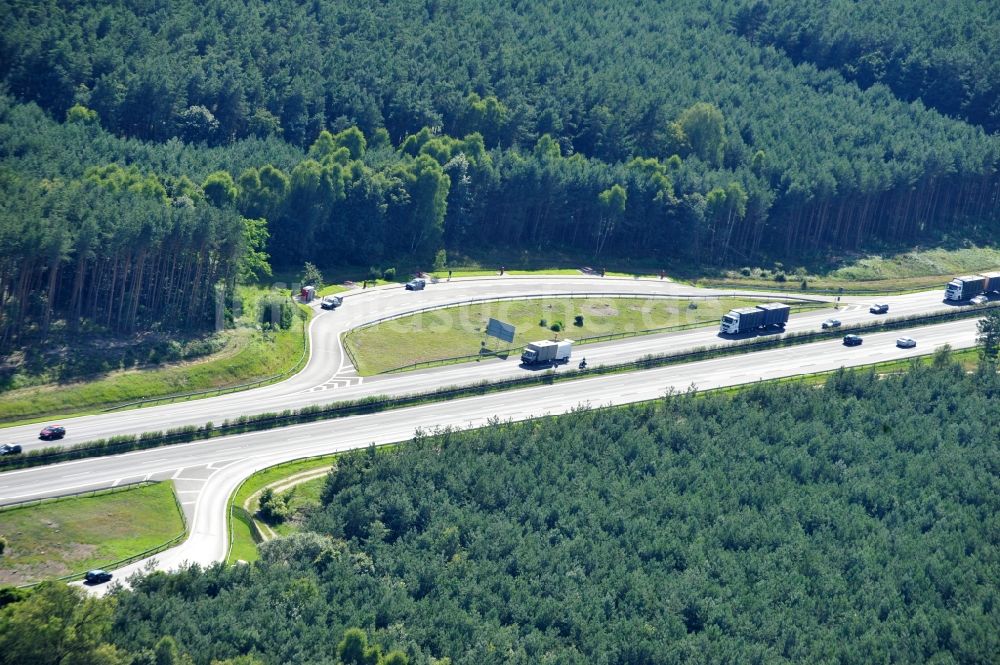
x=730, y=324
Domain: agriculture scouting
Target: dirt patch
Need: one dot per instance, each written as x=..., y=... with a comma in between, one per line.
x=602, y=309
x=25, y=573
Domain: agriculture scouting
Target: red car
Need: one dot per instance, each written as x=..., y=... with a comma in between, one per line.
x=52, y=432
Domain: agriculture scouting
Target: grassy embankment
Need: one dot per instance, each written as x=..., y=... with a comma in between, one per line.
x=459, y=331
x=69, y=536
x=910, y=271
x=249, y=355
x=305, y=494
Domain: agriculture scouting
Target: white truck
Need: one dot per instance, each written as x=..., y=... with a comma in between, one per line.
x=970, y=286
x=745, y=319
x=547, y=352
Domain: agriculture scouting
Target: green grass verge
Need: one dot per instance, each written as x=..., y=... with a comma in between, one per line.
x=251, y=355
x=69, y=536
x=458, y=331
x=243, y=548
x=243, y=545
x=909, y=271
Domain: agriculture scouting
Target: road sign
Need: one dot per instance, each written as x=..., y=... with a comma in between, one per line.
x=500, y=330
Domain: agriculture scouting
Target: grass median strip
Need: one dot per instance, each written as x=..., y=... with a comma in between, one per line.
x=379, y=403
x=68, y=536
x=444, y=334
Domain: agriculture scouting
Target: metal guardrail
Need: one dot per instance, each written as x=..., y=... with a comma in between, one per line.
x=98, y=492
x=588, y=294
x=584, y=340
x=312, y=414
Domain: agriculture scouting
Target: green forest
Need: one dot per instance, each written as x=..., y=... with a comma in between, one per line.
x=855, y=523
x=152, y=152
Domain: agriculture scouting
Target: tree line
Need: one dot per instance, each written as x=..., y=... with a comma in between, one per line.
x=126, y=235
x=821, y=162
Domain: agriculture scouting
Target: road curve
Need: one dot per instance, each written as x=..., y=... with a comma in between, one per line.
x=328, y=376
x=221, y=464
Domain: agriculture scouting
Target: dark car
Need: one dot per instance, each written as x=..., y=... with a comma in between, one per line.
x=415, y=285
x=10, y=449
x=879, y=308
x=331, y=302
x=52, y=432
x=852, y=340
x=97, y=577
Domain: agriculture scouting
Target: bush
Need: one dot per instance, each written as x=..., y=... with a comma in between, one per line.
x=389, y=274
x=804, y=285
x=311, y=276
x=276, y=312
x=3, y=545
x=543, y=323
x=578, y=320
x=745, y=271
x=441, y=260
x=556, y=327
x=780, y=277
x=275, y=507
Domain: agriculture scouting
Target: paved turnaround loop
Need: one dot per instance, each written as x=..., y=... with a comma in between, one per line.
x=206, y=472
x=329, y=377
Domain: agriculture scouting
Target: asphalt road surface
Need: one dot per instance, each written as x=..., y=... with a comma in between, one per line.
x=207, y=472
x=329, y=377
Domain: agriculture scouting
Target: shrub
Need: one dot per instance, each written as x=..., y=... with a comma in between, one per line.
x=556, y=327
x=578, y=320
x=275, y=507
x=745, y=271
x=311, y=276
x=3, y=545
x=276, y=312
x=441, y=260
x=543, y=323
x=780, y=277
x=389, y=274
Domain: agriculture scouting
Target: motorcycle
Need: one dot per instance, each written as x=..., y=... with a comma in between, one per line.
x=583, y=364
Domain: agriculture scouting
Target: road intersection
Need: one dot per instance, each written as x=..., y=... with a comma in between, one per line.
x=207, y=472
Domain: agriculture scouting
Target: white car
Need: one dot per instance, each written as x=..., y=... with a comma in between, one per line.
x=906, y=342
x=831, y=323
x=331, y=302
x=979, y=300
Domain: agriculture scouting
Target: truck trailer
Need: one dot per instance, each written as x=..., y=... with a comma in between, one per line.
x=745, y=319
x=970, y=286
x=547, y=352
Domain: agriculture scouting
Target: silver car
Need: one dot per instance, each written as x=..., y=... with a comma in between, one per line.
x=979, y=300
x=831, y=323
x=906, y=342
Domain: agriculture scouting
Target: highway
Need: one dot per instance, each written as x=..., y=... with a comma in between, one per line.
x=206, y=473
x=328, y=376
